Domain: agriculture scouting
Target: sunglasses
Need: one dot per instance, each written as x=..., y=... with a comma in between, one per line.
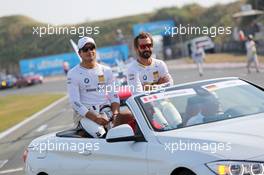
x=144, y=46
x=89, y=48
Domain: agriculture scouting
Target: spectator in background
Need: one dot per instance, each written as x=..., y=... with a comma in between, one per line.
x=198, y=56
x=168, y=53
x=65, y=67
x=251, y=53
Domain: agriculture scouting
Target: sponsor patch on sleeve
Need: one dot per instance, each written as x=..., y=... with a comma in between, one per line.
x=77, y=104
x=69, y=80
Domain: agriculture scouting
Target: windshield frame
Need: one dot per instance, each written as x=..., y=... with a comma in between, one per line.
x=191, y=85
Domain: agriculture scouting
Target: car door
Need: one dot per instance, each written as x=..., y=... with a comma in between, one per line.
x=117, y=158
x=72, y=156
x=90, y=156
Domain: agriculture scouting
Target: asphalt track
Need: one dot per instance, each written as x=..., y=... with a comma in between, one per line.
x=59, y=117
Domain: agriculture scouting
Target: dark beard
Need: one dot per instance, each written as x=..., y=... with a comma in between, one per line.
x=145, y=54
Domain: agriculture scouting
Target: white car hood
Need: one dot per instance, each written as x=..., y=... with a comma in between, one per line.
x=245, y=135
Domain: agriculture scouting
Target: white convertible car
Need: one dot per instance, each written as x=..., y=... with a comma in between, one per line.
x=202, y=128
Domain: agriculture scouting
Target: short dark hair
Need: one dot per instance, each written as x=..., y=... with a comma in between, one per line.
x=142, y=35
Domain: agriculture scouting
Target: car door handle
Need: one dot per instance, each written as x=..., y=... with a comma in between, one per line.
x=86, y=152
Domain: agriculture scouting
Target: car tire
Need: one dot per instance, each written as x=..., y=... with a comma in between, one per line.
x=42, y=173
x=186, y=172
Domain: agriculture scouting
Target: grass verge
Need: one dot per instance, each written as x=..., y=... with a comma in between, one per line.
x=15, y=108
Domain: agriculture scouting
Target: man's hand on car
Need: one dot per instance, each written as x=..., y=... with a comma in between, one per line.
x=101, y=120
x=163, y=80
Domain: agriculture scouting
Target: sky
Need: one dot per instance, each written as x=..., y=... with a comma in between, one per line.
x=76, y=11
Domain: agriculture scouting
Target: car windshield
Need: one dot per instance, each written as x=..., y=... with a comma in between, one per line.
x=201, y=103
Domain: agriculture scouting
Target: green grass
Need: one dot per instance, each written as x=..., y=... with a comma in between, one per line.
x=15, y=108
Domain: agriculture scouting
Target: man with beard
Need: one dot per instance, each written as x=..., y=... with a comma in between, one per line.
x=147, y=73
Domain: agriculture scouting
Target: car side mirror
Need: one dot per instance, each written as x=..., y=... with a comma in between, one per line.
x=121, y=133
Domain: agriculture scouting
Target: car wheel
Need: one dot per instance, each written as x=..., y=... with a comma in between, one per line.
x=186, y=172
x=42, y=173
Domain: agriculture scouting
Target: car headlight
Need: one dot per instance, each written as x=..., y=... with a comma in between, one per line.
x=236, y=168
